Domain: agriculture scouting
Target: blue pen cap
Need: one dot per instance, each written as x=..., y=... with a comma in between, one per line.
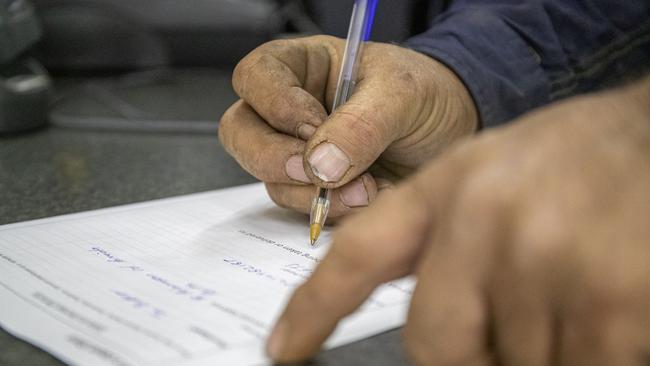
x=370, y=18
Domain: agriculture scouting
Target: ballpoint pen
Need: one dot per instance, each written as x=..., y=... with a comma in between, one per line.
x=363, y=14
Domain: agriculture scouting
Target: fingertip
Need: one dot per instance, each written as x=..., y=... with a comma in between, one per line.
x=305, y=131
x=276, y=341
x=383, y=185
x=358, y=193
x=371, y=185
x=295, y=170
x=299, y=334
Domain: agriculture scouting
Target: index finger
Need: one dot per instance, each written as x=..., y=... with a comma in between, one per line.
x=285, y=82
x=363, y=255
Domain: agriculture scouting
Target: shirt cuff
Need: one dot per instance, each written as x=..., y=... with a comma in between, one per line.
x=501, y=71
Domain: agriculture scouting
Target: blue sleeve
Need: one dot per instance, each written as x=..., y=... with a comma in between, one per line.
x=516, y=55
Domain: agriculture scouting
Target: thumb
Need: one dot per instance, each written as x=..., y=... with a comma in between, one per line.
x=358, y=132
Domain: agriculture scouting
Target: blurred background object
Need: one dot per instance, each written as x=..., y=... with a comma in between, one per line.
x=148, y=65
x=127, y=34
x=130, y=34
x=24, y=84
x=165, y=65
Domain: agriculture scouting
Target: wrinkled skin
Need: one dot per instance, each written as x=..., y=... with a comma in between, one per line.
x=531, y=245
x=405, y=110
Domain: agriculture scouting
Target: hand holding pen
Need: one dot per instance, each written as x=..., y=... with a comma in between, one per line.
x=363, y=15
x=405, y=109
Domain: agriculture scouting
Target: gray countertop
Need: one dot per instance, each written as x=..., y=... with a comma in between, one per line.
x=56, y=171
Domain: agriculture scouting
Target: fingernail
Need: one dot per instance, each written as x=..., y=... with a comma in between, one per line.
x=295, y=169
x=328, y=162
x=276, y=341
x=354, y=194
x=306, y=131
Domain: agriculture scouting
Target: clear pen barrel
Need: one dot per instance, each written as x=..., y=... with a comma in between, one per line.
x=320, y=208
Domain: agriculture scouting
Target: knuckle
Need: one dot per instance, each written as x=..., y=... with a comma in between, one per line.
x=323, y=42
x=282, y=110
x=276, y=45
x=327, y=45
x=323, y=38
x=242, y=71
x=247, y=72
x=226, y=128
x=361, y=130
x=261, y=61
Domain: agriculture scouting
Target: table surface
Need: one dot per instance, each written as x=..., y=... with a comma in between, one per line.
x=56, y=171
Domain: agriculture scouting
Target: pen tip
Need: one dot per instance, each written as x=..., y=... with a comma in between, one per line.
x=314, y=233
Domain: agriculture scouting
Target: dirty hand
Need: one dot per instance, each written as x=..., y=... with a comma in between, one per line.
x=406, y=108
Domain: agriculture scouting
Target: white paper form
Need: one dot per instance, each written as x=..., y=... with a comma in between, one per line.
x=192, y=280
